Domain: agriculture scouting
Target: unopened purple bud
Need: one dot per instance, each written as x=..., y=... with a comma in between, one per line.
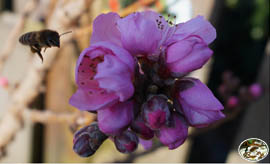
x=127, y=142
x=255, y=90
x=222, y=89
x=87, y=140
x=232, y=102
x=156, y=111
x=139, y=127
x=174, y=135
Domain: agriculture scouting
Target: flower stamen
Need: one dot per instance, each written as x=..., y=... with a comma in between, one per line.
x=167, y=29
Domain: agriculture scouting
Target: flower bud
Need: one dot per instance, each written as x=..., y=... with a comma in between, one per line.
x=255, y=90
x=127, y=142
x=174, y=135
x=156, y=111
x=232, y=102
x=222, y=89
x=87, y=140
x=3, y=82
x=139, y=127
x=197, y=103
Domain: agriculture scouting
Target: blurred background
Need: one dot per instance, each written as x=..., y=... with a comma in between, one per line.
x=37, y=123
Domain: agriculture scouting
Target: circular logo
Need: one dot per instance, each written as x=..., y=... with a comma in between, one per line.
x=253, y=149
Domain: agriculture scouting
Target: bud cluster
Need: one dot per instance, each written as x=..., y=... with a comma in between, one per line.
x=235, y=94
x=133, y=75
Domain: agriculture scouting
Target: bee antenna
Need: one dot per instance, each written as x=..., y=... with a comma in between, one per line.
x=65, y=33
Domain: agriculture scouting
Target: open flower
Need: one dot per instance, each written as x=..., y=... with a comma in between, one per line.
x=155, y=98
x=104, y=75
x=198, y=104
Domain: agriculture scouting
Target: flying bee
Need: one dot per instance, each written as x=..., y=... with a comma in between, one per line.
x=41, y=39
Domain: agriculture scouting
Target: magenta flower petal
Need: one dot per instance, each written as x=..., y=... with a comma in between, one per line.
x=113, y=75
x=139, y=32
x=187, y=55
x=200, y=118
x=175, y=135
x=104, y=74
x=197, y=26
x=105, y=29
x=198, y=103
x=86, y=100
x=115, y=119
x=178, y=51
x=94, y=55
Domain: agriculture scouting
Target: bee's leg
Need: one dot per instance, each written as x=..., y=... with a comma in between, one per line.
x=37, y=49
x=44, y=49
x=40, y=56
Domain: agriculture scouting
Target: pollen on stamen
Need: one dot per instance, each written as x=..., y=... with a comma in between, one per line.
x=171, y=20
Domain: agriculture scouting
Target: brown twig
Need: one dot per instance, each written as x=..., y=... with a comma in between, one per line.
x=16, y=31
x=49, y=117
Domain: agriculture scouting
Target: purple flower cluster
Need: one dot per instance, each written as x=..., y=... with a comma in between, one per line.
x=133, y=76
